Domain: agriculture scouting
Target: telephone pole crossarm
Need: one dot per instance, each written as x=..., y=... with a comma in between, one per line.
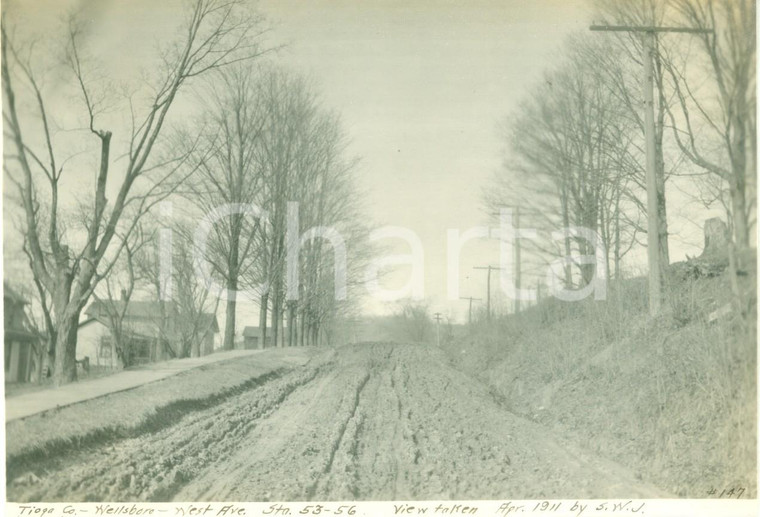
x=438, y=316
x=633, y=28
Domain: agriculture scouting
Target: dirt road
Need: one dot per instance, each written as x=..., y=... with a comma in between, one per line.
x=371, y=421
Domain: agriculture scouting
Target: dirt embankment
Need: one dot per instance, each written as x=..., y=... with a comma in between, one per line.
x=673, y=398
x=371, y=421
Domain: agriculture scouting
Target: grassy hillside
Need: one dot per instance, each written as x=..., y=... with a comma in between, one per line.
x=673, y=398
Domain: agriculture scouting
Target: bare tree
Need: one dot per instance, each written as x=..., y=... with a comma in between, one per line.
x=228, y=174
x=570, y=147
x=715, y=125
x=267, y=142
x=290, y=108
x=327, y=197
x=118, y=288
x=195, y=304
x=216, y=33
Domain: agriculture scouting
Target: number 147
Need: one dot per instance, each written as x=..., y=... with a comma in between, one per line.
x=727, y=492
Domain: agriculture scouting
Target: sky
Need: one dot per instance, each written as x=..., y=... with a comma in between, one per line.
x=421, y=87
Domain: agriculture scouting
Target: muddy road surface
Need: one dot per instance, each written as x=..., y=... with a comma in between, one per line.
x=363, y=422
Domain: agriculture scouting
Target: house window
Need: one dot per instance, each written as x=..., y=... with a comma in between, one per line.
x=140, y=348
x=105, y=349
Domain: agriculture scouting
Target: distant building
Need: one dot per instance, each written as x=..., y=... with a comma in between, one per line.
x=252, y=338
x=154, y=331
x=23, y=348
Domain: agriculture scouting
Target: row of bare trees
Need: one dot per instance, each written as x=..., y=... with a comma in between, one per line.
x=575, y=147
x=269, y=152
x=86, y=163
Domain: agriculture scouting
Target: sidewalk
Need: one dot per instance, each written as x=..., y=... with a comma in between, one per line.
x=27, y=404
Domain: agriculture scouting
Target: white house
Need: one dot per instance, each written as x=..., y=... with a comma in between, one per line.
x=94, y=342
x=145, y=325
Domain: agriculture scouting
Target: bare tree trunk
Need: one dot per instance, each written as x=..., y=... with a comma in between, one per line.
x=737, y=183
x=617, y=237
x=315, y=334
x=65, y=346
x=233, y=263
x=739, y=214
x=275, y=318
x=302, y=322
x=291, y=323
x=49, y=354
x=41, y=359
x=566, y=223
x=295, y=327
x=263, y=309
x=604, y=230
x=587, y=270
x=276, y=330
x=229, y=325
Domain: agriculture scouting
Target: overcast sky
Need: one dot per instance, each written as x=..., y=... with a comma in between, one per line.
x=421, y=86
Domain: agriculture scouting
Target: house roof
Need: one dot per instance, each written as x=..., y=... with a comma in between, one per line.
x=23, y=336
x=135, y=309
x=87, y=322
x=10, y=294
x=17, y=325
x=130, y=333
x=251, y=332
x=148, y=311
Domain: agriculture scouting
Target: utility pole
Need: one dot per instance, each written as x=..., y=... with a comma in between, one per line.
x=653, y=232
x=438, y=328
x=518, y=269
x=470, y=298
x=488, y=288
x=518, y=259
